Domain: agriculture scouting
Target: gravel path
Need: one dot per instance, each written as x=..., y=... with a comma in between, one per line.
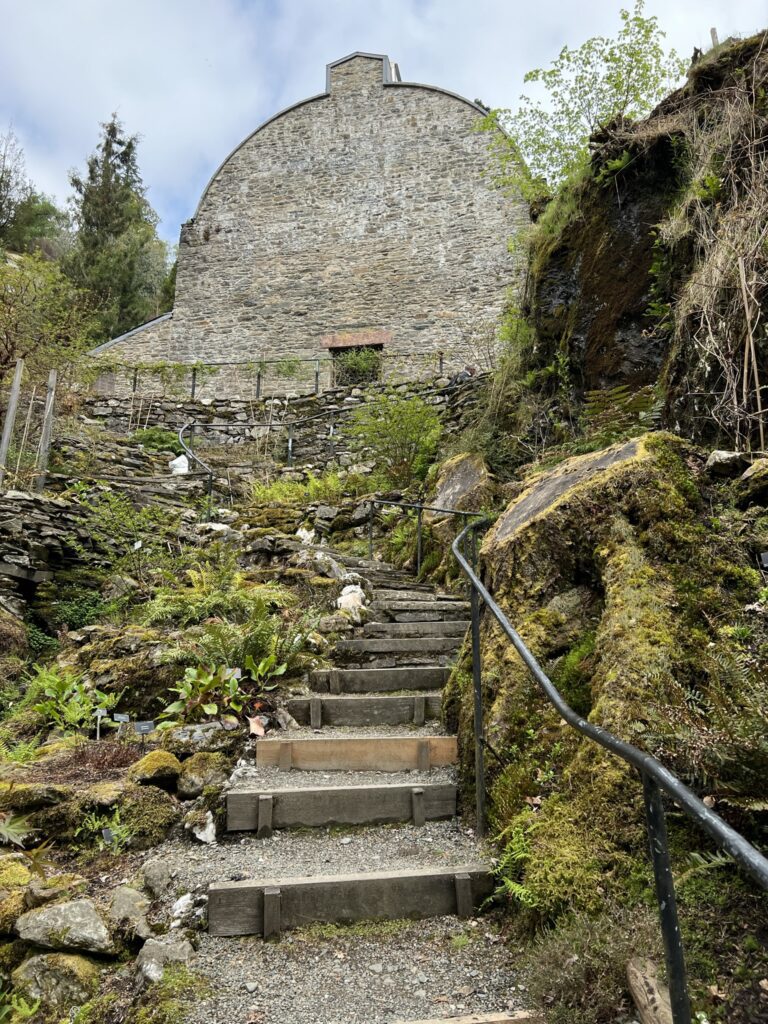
x=251, y=777
x=334, y=851
x=369, y=974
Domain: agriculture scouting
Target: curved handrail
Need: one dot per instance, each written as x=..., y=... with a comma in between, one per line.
x=656, y=779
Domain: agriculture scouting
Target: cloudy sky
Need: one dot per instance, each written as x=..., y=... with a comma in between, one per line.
x=194, y=77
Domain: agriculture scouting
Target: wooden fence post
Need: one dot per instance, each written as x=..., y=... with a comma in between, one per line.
x=44, y=450
x=10, y=418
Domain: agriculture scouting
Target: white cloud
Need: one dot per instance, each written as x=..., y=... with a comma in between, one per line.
x=194, y=77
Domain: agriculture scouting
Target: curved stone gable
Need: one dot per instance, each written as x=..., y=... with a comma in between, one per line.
x=360, y=216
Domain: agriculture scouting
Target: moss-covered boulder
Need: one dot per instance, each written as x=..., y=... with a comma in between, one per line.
x=23, y=797
x=77, y=925
x=60, y=981
x=202, y=771
x=149, y=814
x=158, y=768
x=463, y=482
x=633, y=596
x=11, y=909
x=12, y=953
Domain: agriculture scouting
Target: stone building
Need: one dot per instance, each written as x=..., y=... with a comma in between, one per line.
x=363, y=217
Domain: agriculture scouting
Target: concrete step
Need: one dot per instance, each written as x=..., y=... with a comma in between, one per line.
x=262, y=810
x=451, y=627
x=379, y=680
x=336, y=710
x=375, y=753
x=269, y=906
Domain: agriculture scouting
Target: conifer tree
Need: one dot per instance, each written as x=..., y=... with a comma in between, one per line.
x=117, y=257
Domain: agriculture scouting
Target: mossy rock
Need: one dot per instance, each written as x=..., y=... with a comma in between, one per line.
x=11, y=955
x=13, y=635
x=13, y=873
x=632, y=597
x=202, y=771
x=23, y=797
x=60, y=981
x=149, y=813
x=11, y=908
x=158, y=768
x=752, y=488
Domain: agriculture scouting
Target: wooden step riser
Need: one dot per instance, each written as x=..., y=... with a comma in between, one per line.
x=381, y=754
x=378, y=680
x=324, y=711
x=262, y=811
x=268, y=908
x=456, y=628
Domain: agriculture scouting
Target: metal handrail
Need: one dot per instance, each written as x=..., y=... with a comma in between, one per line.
x=420, y=509
x=655, y=777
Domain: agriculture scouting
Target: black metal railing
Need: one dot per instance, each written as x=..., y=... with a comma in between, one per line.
x=656, y=779
x=420, y=510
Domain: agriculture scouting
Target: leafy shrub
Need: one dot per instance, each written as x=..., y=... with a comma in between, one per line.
x=213, y=591
x=357, y=366
x=577, y=972
x=157, y=439
x=328, y=487
x=206, y=693
x=64, y=700
x=92, y=826
x=39, y=642
x=401, y=434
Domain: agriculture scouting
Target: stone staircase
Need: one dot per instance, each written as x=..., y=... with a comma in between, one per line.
x=368, y=752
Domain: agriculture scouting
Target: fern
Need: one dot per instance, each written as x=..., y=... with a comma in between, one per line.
x=612, y=413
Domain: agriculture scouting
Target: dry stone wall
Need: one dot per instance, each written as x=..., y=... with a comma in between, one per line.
x=361, y=216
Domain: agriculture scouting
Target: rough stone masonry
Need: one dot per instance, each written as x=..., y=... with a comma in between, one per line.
x=363, y=216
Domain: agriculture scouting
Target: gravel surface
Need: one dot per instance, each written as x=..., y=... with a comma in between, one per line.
x=249, y=777
x=432, y=727
x=335, y=851
x=371, y=973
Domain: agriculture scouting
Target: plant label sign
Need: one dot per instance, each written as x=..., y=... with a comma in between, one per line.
x=107, y=835
x=121, y=718
x=144, y=728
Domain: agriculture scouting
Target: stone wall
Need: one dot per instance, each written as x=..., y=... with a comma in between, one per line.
x=319, y=442
x=362, y=213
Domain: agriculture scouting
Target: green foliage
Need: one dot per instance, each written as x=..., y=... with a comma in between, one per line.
x=157, y=439
x=576, y=972
x=43, y=316
x=14, y=828
x=40, y=643
x=357, y=366
x=510, y=869
x=206, y=693
x=611, y=414
x=213, y=591
x=67, y=702
x=92, y=824
x=117, y=256
x=15, y=1008
x=329, y=487
x=21, y=752
x=573, y=674
x=586, y=89
x=401, y=434
x=143, y=541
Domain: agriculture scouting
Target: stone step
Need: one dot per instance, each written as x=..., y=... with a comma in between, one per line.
x=335, y=710
x=383, y=595
x=450, y=627
x=379, y=680
x=262, y=810
x=270, y=906
x=375, y=753
x=420, y=611
x=398, y=646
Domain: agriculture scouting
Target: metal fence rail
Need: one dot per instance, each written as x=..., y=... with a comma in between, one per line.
x=656, y=779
